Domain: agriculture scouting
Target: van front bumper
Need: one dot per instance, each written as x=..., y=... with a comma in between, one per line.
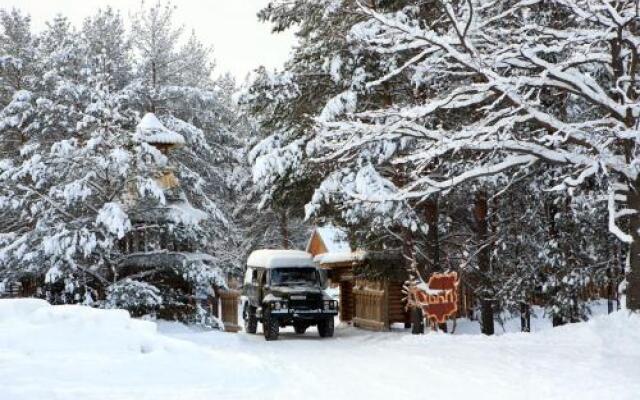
x=303, y=314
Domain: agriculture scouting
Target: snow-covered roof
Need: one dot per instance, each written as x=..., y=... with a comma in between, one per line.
x=340, y=257
x=334, y=239
x=280, y=258
x=151, y=130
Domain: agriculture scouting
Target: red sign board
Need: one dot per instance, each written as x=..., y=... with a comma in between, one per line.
x=440, y=300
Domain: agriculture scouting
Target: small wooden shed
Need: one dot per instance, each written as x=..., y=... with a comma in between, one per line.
x=371, y=284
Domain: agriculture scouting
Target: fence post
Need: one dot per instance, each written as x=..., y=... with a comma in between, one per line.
x=229, y=300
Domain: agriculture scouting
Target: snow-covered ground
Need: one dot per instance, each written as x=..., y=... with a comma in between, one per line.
x=74, y=352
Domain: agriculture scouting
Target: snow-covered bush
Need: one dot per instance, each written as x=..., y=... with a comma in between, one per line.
x=135, y=296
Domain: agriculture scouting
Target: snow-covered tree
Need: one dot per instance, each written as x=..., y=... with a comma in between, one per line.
x=17, y=48
x=286, y=103
x=89, y=203
x=419, y=120
x=108, y=47
x=487, y=72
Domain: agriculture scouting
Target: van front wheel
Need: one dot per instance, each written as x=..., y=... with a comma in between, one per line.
x=325, y=327
x=270, y=327
x=250, y=320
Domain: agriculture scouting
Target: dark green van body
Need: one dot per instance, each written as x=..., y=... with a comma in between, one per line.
x=286, y=293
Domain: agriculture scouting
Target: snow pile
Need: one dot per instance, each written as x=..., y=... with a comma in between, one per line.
x=63, y=352
x=33, y=326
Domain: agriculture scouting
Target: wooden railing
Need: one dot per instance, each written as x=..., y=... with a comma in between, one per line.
x=229, y=303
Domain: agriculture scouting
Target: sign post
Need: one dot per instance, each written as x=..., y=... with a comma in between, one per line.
x=439, y=299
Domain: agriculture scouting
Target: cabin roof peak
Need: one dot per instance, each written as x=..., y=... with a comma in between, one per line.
x=151, y=130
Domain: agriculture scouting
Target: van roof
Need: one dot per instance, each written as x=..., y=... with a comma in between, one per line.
x=280, y=258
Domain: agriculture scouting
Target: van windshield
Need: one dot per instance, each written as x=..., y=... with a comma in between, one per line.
x=294, y=276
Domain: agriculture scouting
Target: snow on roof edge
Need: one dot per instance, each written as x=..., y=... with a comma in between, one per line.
x=341, y=257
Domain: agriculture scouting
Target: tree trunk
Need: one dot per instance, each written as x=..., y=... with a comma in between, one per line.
x=417, y=321
x=284, y=229
x=610, y=290
x=433, y=246
x=407, y=247
x=633, y=269
x=525, y=317
x=417, y=318
x=557, y=320
x=431, y=214
x=482, y=238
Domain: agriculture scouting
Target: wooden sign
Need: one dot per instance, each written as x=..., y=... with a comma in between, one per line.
x=440, y=299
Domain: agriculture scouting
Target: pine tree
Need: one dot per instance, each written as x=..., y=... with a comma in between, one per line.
x=109, y=49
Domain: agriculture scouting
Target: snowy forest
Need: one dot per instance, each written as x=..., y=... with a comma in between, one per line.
x=497, y=139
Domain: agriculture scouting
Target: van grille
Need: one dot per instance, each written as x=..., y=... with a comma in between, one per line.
x=311, y=303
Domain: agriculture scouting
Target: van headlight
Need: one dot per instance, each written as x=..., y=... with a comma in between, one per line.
x=278, y=305
x=330, y=304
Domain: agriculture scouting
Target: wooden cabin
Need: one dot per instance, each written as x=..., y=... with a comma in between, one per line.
x=328, y=239
x=371, y=287
x=371, y=283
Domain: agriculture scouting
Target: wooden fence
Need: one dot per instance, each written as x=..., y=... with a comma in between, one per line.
x=371, y=305
x=229, y=304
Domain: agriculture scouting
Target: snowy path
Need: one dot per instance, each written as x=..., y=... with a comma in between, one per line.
x=550, y=365
x=74, y=352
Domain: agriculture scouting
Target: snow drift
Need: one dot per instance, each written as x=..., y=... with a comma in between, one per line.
x=60, y=352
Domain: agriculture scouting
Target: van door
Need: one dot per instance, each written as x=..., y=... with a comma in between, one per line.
x=251, y=286
x=261, y=281
x=246, y=282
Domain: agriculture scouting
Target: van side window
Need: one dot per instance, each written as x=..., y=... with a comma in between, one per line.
x=254, y=276
x=263, y=279
x=261, y=275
